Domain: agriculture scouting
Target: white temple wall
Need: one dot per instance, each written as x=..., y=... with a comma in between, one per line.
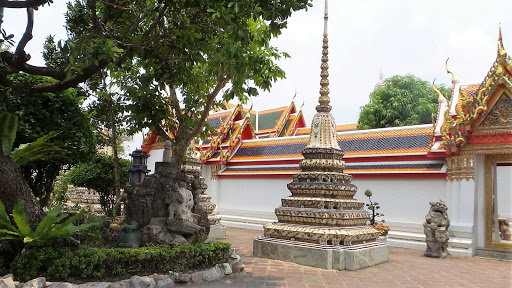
x=404, y=202
x=156, y=155
x=250, y=203
x=213, y=186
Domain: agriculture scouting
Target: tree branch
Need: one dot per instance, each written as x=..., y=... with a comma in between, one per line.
x=175, y=103
x=20, y=55
x=73, y=81
x=161, y=132
x=95, y=21
x=223, y=80
x=22, y=4
x=11, y=60
x=155, y=23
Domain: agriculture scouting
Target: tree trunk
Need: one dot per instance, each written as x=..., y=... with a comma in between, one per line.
x=117, y=176
x=13, y=189
x=117, y=173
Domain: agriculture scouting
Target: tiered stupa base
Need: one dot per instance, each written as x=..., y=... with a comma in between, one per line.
x=352, y=258
x=217, y=229
x=335, y=236
x=192, y=166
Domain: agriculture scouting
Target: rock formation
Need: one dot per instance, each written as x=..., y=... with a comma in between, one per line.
x=162, y=206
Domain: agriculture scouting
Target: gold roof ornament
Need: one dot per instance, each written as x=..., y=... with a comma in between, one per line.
x=442, y=107
x=248, y=114
x=501, y=49
x=449, y=71
x=442, y=98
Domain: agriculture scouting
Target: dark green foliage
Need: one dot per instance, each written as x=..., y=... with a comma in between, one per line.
x=99, y=175
x=54, y=225
x=401, y=101
x=85, y=263
x=8, y=128
x=41, y=113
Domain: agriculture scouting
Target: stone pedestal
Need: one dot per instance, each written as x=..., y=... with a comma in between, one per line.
x=330, y=257
x=217, y=231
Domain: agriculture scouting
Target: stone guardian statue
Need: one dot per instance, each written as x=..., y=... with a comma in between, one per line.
x=436, y=230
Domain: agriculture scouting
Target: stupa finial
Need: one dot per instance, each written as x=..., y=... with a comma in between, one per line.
x=324, y=74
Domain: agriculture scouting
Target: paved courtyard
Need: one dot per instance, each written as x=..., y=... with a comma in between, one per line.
x=406, y=268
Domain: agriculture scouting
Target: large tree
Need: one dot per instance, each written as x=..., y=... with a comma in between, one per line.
x=400, y=101
x=192, y=47
x=42, y=113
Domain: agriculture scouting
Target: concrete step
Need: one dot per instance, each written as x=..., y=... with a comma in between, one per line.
x=505, y=255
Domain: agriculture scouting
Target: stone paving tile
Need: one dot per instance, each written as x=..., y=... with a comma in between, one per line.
x=406, y=269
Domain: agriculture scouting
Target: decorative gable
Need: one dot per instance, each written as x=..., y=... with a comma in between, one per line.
x=500, y=115
x=471, y=122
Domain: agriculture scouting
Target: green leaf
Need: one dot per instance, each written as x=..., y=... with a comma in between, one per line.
x=8, y=128
x=49, y=220
x=18, y=213
x=39, y=149
x=5, y=231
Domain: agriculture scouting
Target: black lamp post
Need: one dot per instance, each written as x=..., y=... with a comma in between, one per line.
x=137, y=172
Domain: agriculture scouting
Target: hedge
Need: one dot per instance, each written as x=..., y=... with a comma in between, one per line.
x=116, y=263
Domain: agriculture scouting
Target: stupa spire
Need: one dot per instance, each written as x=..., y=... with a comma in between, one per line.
x=323, y=126
x=321, y=210
x=324, y=74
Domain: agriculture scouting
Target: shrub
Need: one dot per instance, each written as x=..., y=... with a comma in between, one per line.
x=53, y=226
x=111, y=263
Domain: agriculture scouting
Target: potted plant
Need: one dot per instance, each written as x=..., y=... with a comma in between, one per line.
x=376, y=224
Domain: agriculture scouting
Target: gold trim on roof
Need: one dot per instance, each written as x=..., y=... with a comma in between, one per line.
x=475, y=107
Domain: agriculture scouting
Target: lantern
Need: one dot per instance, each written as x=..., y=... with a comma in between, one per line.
x=138, y=170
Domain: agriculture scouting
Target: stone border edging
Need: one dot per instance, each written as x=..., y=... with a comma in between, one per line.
x=235, y=265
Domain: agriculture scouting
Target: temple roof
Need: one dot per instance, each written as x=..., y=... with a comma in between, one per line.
x=352, y=168
x=339, y=128
x=396, y=152
x=376, y=142
x=268, y=120
x=459, y=124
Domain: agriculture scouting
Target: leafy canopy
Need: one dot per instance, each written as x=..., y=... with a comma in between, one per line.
x=41, y=114
x=99, y=175
x=170, y=59
x=401, y=101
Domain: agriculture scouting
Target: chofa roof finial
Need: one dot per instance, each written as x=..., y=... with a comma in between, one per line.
x=441, y=96
x=449, y=71
x=501, y=49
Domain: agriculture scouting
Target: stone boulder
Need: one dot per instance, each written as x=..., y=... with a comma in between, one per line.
x=158, y=233
x=35, y=283
x=142, y=282
x=201, y=219
x=7, y=281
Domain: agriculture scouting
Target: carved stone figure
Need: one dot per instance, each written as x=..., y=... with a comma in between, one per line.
x=436, y=230
x=162, y=207
x=504, y=228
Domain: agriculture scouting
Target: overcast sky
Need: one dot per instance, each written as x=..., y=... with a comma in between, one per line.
x=365, y=38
